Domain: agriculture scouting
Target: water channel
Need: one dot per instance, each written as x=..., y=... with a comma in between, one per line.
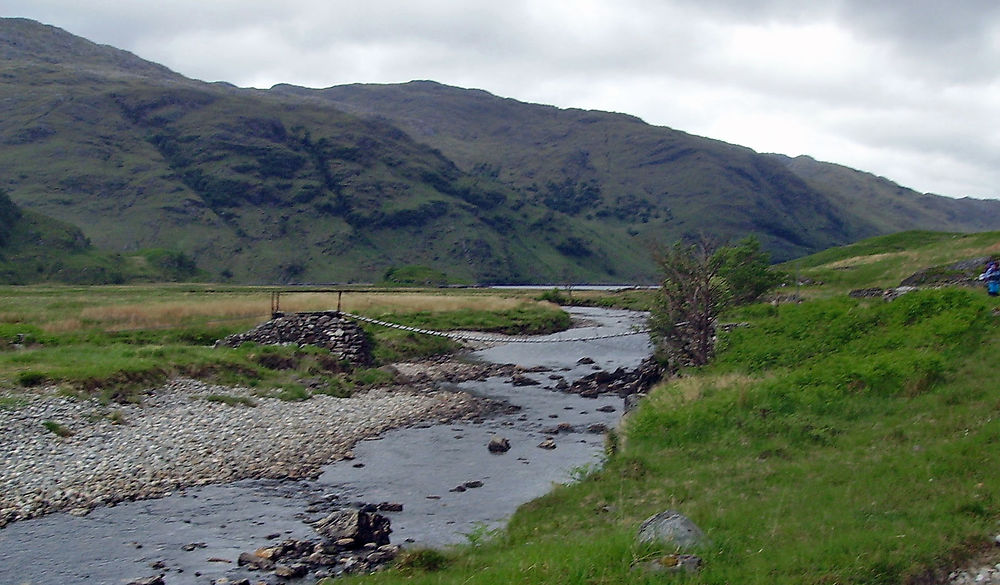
x=194, y=536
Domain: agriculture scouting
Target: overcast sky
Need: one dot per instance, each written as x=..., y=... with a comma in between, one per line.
x=906, y=89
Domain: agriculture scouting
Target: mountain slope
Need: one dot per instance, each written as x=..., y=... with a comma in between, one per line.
x=257, y=189
x=612, y=168
x=342, y=184
x=794, y=204
x=35, y=248
x=888, y=206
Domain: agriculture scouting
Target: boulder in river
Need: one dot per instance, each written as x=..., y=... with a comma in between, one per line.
x=498, y=444
x=359, y=527
x=547, y=444
x=157, y=580
x=522, y=380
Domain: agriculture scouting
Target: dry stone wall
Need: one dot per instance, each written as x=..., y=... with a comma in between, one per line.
x=327, y=329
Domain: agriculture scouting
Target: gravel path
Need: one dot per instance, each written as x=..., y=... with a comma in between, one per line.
x=176, y=438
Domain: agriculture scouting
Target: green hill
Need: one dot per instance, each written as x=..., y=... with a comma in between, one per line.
x=885, y=261
x=345, y=184
x=658, y=181
x=35, y=248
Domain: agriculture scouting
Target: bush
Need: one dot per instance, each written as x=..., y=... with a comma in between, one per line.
x=425, y=559
x=57, y=428
x=30, y=378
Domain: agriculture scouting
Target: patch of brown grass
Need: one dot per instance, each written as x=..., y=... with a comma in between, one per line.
x=393, y=302
x=869, y=259
x=165, y=314
x=678, y=391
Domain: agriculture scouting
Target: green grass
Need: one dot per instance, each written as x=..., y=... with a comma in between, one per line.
x=836, y=441
x=230, y=400
x=112, y=342
x=886, y=260
x=57, y=429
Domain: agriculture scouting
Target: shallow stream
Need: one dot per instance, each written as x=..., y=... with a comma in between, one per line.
x=194, y=536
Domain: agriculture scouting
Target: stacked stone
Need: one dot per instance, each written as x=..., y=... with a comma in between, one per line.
x=327, y=329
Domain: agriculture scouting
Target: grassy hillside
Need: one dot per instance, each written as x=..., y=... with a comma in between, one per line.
x=35, y=248
x=263, y=188
x=345, y=184
x=833, y=441
x=641, y=181
x=655, y=181
x=888, y=206
x=885, y=261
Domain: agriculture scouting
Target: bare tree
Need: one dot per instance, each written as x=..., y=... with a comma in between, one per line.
x=683, y=320
x=700, y=280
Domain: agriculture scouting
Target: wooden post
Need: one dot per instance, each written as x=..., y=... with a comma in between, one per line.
x=275, y=304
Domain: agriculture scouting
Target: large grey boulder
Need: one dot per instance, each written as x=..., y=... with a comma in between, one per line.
x=671, y=528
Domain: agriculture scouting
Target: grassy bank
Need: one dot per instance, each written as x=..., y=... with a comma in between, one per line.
x=836, y=441
x=112, y=341
x=886, y=260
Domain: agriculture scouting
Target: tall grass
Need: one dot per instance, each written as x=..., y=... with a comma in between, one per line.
x=113, y=341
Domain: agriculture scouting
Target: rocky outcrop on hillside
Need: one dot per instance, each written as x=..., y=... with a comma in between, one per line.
x=964, y=272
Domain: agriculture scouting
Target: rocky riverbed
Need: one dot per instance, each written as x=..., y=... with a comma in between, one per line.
x=177, y=438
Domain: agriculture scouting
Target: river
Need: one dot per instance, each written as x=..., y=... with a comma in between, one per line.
x=194, y=536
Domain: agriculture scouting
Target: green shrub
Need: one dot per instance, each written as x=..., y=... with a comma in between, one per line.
x=30, y=378
x=424, y=559
x=57, y=428
x=230, y=400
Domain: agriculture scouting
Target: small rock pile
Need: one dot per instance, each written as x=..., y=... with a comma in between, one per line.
x=621, y=381
x=354, y=541
x=327, y=329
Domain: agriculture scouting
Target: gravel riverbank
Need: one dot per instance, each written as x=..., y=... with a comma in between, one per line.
x=176, y=438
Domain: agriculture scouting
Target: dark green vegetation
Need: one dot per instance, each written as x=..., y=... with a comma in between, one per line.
x=833, y=441
x=415, y=276
x=295, y=185
x=702, y=280
x=57, y=429
x=111, y=343
x=36, y=248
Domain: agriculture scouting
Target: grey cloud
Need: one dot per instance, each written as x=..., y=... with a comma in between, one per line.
x=914, y=81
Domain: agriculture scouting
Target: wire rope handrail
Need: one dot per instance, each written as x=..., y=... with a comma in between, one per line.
x=491, y=339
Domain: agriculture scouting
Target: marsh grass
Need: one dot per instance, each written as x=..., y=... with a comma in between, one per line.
x=111, y=342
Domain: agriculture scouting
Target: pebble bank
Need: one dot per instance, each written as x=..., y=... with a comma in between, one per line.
x=177, y=438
